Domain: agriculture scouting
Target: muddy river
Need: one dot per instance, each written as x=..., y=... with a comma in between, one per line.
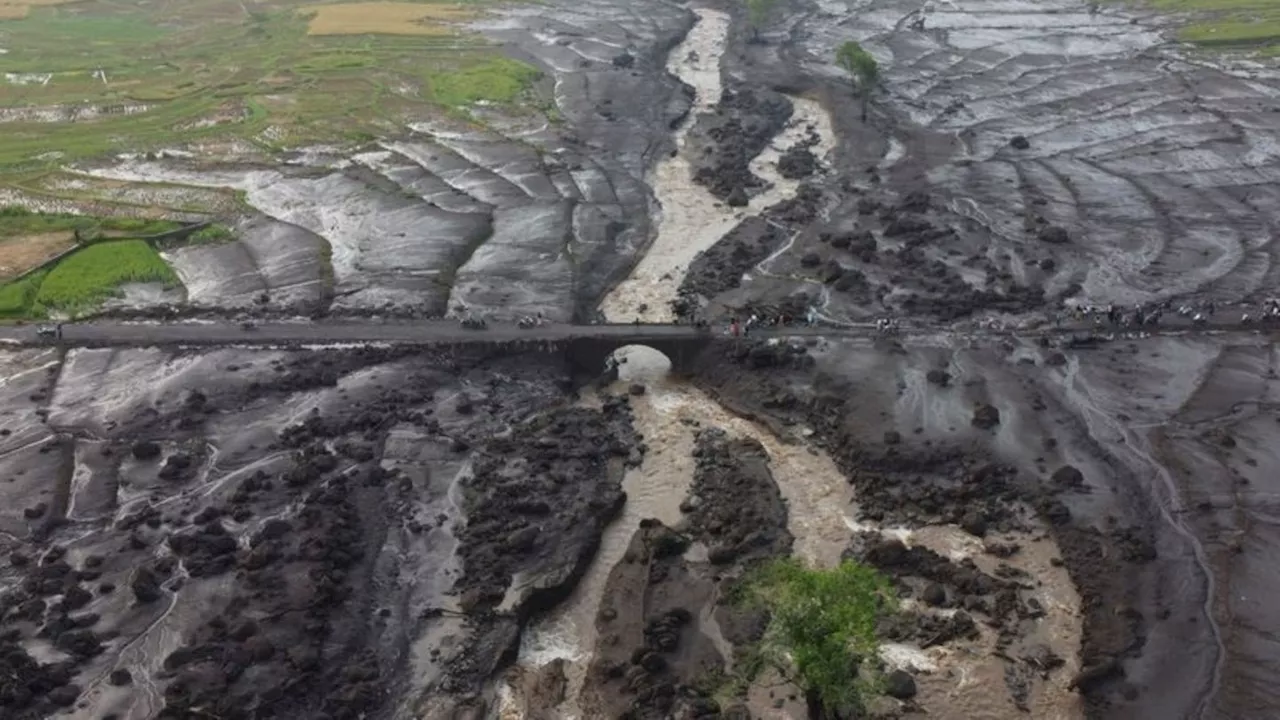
x=821, y=504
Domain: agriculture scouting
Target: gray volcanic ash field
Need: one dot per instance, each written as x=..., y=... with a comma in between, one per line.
x=1076, y=530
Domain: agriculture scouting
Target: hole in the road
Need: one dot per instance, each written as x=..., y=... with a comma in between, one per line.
x=638, y=363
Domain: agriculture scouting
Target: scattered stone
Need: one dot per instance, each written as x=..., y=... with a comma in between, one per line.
x=974, y=524
x=1055, y=235
x=941, y=378
x=146, y=450
x=145, y=585
x=899, y=684
x=934, y=594
x=985, y=417
x=1068, y=476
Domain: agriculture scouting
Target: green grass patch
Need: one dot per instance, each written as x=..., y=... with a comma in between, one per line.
x=496, y=80
x=17, y=299
x=1235, y=33
x=18, y=221
x=1249, y=24
x=93, y=274
x=211, y=235
x=210, y=70
x=822, y=627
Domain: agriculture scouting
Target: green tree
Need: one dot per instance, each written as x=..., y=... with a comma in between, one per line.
x=758, y=14
x=822, y=628
x=862, y=69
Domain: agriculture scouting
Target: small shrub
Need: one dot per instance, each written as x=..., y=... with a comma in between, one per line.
x=17, y=297
x=822, y=626
x=211, y=234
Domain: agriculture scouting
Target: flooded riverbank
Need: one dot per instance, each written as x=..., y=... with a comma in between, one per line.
x=692, y=219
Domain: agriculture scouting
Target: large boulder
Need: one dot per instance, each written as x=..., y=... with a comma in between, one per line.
x=985, y=417
x=899, y=684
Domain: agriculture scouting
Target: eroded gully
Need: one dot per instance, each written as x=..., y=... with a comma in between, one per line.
x=670, y=412
x=820, y=502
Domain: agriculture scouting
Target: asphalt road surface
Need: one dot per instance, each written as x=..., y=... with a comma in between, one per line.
x=141, y=334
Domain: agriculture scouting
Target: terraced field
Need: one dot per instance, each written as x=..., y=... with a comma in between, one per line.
x=142, y=78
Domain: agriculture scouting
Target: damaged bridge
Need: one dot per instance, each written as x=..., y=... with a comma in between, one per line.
x=587, y=348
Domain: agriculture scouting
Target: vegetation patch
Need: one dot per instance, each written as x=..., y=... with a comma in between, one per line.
x=17, y=9
x=113, y=251
x=17, y=299
x=496, y=80
x=29, y=239
x=93, y=274
x=386, y=18
x=822, y=628
x=1248, y=24
x=224, y=73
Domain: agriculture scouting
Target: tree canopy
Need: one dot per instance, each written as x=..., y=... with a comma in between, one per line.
x=859, y=64
x=758, y=13
x=822, y=624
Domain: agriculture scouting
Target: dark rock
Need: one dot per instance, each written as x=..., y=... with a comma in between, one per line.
x=636, y=389
x=985, y=417
x=79, y=643
x=1068, y=476
x=1054, y=234
x=145, y=585
x=624, y=60
x=1098, y=674
x=899, y=684
x=810, y=260
x=120, y=677
x=36, y=511
x=797, y=162
x=892, y=437
x=1019, y=142
x=146, y=450
x=940, y=378
x=64, y=696
x=934, y=594
x=737, y=197
x=974, y=524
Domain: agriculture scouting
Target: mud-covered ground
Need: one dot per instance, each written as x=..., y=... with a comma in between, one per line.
x=312, y=533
